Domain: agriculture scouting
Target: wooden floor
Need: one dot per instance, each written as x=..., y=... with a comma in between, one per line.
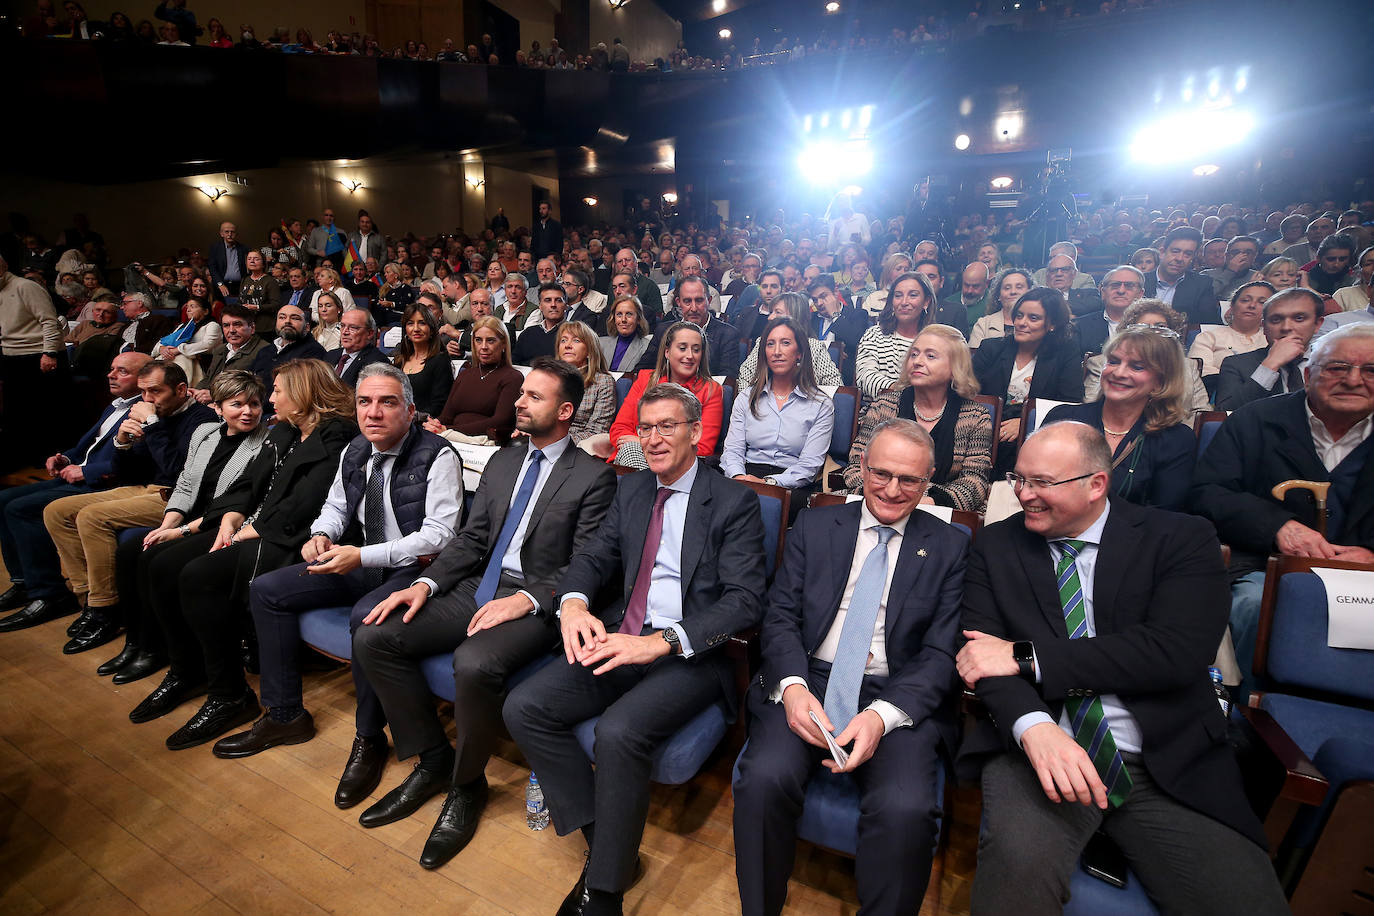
x=96, y=816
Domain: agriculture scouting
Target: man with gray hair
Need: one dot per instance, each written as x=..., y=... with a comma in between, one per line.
x=1069, y=250
x=357, y=331
x=395, y=501
x=1120, y=287
x=144, y=328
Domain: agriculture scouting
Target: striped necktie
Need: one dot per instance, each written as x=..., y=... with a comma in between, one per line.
x=1086, y=715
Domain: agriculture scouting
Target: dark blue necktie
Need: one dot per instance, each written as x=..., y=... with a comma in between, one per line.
x=486, y=589
x=374, y=516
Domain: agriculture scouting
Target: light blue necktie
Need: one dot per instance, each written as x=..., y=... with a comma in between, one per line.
x=856, y=637
x=486, y=589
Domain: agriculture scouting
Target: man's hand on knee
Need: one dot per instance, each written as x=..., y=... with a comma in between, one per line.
x=412, y=599
x=1066, y=771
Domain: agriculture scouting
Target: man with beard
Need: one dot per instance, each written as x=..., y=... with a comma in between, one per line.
x=293, y=342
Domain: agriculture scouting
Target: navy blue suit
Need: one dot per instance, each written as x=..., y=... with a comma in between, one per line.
x=896, y=827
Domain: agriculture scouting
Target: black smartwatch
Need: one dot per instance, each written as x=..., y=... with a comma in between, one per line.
x=671, y=638
x=1024, y=653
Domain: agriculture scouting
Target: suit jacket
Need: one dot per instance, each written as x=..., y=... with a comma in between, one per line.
x=1235, y=387
x=847, y=329
x=100, y=464
x=722, y=340
x=1265, y=443
x=1092, y=331
x=204, y=440
x=1058, y=372
x=650, y=299
x=1157, y=471
x=220, y=359
x=1194, y=297
x=722, y=571
x=633, y=352
x=268, y=358
x=218, y=261
x=546, y=238
x=567, y=514
x=922, y=622
x=150, y=329
x=1161, y=601
x=366, y=357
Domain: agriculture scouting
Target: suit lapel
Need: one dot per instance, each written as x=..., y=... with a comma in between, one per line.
x=844, y=537
x=909, y=564
x=639, y=503
x=1293, y=441
x=1113, y=562
x=504, y=490
x=562, y=470
x=1034, y=557
x=694, y=529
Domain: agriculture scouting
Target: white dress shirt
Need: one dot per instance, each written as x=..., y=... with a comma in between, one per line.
x=1333, y=451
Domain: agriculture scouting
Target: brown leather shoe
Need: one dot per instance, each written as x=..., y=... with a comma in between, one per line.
x=266, y=732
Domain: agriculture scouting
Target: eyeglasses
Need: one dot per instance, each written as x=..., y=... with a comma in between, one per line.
x=1059, y=270
x=666, y=428
x=907, y=483
x=1018, y=483
x=1335, y=371
x=1123, y=284
x=1153, y=329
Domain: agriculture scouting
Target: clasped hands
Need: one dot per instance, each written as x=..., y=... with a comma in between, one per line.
x=586, y=641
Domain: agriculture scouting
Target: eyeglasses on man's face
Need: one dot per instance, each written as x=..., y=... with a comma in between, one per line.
x=907, y=483
x=1019, y=483
x=665, y=428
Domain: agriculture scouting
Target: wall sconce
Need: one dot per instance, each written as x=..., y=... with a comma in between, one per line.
x=213, y=192
x=670, y=197
x=1001, y=182
x=590, y=201
x=618, y=4
x=475, y=182
x=352, y=184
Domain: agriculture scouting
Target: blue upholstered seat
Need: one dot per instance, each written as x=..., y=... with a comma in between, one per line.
x=842, y=436
x=622, y=388
x=326, y=629
x=1208, y=433
x=1091, y=896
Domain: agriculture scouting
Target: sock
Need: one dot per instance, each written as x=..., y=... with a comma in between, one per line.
x=286, y=714
x=437, y=759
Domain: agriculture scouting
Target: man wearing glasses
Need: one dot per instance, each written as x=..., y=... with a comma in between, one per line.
x=357, y=330
x=1090, y=624
x=1319, y=433
x=860, y=632
x=1062, y=274
x=682, y=545
x=1120, y=287
x=326, y=241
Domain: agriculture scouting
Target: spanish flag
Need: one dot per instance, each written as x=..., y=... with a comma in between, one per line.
x=286, y=231
x=351, y=255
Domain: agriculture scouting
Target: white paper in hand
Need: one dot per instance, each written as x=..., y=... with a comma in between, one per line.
x=836, y=752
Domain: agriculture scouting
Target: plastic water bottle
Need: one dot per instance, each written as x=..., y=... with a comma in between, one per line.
x=536, y=811
x=1223, y=695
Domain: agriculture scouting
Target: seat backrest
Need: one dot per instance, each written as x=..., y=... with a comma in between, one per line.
x=1033, y=415
x=994, y=406
x=774, y=503
x=1206, y=426
x=727, y=403
x=458, y=365
x=965, y=521
x=1292, y=648
x=622, y=388
x=846, y=399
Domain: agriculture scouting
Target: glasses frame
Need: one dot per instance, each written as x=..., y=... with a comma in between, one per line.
x=1019, y=483
x=908, y=488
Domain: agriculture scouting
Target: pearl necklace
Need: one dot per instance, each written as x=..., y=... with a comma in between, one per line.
x=923, y=418
x=1112, y=432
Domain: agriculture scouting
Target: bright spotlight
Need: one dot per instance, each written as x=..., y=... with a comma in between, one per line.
x=852, y=190
x=825, y=119
x=832, y=7
x=806, y=124
x=846, y=118
x=1001, y=181
x=670, y=196
x=718, y=6
x=1242, y=79
x=1008, y=126
x=589, y=201
x=865, y=117
x=826, y=162
x=961, y=142
x=1190, y=135
x=725, y=33
x=1202, y=171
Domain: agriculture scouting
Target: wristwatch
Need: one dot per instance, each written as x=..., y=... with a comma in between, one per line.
x=771, y=481
x=1024, y=653
x=671, y=638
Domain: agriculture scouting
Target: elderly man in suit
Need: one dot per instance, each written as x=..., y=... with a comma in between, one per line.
x=723, y=340
x=489, y=599
x=228, y=260
x=860, y=631
x=685, y=547
x=1175, y=284
x=143, y=328
x=1320, y=433
x=357, y=332
x=1291, y=317
x=1090, y=625
x=1121, y=286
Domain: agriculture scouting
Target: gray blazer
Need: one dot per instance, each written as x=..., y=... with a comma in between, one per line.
x=202, y=446
x=633, y=353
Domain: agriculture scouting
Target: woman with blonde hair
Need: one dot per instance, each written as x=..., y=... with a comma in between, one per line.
x=578, y=346
x=1282, y=273
x=330, y=282
x=480, y=409
x=1142, y=409
x=938, y=394
x=329, y=329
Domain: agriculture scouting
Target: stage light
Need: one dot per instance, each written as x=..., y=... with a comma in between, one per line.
x=725, y=34
x=961, y=142
x=806, y=124
x=1001, y=181
x=718, y=6
x=1202, y=171
x=670, y=197
x=853, y=190
x=1008, y=126
x=590, y=201
x=1242, y=79
x=1190, y=135
x=832, y=7
x=826, y=162
x=846, y=118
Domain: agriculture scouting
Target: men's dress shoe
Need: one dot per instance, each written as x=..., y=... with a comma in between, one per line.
x=144, y=664
x=577, y=898
x=99, y=631
x=363, y=772
x=603, y=903
x=580, y=901
x=14, y=597
x=266, y=732
x=404, y=800
x=171, y=693
x=38, y=611
x=457, y=823
x=82, y=621
x=125, y=656
x=213, y=719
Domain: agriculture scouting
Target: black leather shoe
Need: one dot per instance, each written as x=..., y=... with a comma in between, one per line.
x=604, y=903
x=38, y=611
x=266, y=732
x=213, y=719
x=82, y=621
x=457, y=823
x=144, y=664
x=171, y=693
x=363, y=772
x=14, y=597
x=577, y=897
x=126, y=655
x=404, y=800
x=99, y=631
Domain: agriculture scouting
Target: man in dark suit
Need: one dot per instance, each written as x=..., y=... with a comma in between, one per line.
x=227, y=260
x=239, y=349
x=722, y=340
x=542, y=339
x=366, y=542
x=685, y=546
x=293, y=342
x=1273, y=440
x=357, y=331
x=1176, y=285
x=1090, y=624
x=836, y=321
x=650, y=299
x=300, y=289
x=882, y=659
x=1121, y=286
x=144, y=329
x=1291, y=317
x=546, y=236
x=490, y=594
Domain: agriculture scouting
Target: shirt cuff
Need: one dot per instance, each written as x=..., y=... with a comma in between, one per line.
x=578, y=595
x=1018, y=728
x=534, y=609
x=776, y=695
x=892, y=716
x=426, y=580
x=373, y=556
x=1264, y=377
x=684, y=644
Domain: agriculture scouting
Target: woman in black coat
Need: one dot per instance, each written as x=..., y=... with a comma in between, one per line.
x=258, y=524
x=1039, y=360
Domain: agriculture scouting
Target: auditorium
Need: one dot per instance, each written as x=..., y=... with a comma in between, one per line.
x=752, y=457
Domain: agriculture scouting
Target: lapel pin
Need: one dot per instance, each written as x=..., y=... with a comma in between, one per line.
x=921, y=552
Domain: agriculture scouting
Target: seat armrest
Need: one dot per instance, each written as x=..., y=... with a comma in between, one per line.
x=1302, y=781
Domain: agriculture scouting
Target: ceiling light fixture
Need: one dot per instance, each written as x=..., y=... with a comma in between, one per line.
x=961, y=142
x=590, y=201
x=1202, y=171
x=213, y=192
x=725, y=34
